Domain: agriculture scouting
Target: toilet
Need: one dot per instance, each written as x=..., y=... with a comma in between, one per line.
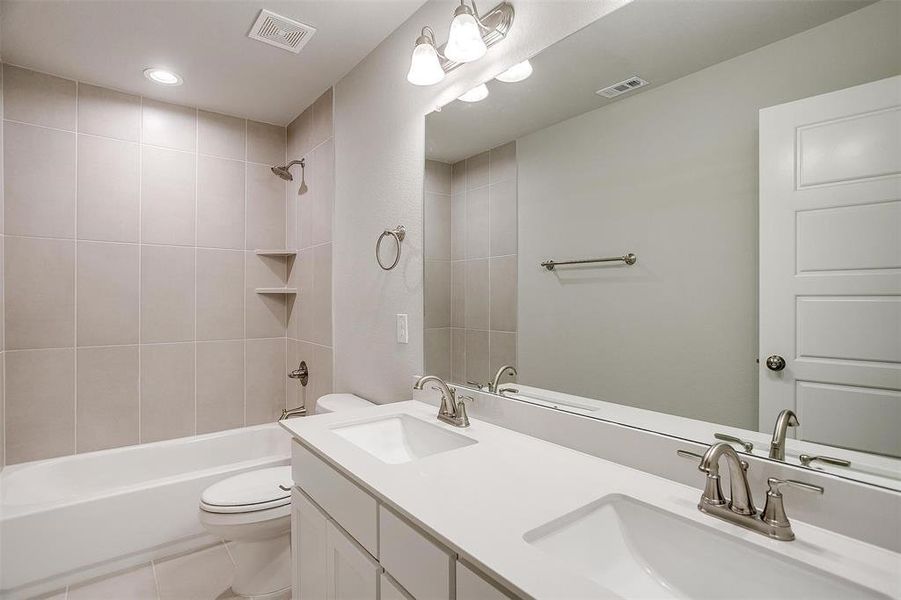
x=253, y=511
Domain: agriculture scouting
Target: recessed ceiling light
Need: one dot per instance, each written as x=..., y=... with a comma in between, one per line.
x=162, y=76
x=479, y=92
x=517, y=72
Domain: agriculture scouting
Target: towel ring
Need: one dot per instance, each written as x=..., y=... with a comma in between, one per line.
x=398, y=234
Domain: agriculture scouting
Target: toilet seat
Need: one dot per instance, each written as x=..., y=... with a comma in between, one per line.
x=253, y=491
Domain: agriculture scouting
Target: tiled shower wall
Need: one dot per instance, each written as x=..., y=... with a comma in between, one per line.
x=470, y=267
x=130, y=227
x=311, y=201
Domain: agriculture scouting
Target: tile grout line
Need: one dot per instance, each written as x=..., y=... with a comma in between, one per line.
x=140, y=264
x=75, y=324
x=244, y=260
x=196, y=183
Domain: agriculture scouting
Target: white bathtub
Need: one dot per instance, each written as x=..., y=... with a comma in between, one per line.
x=68, y=519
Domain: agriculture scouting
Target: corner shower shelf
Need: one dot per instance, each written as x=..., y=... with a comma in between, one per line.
x=276, y=290
x=276, y=252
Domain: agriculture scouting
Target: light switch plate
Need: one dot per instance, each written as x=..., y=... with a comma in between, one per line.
x=403, y=332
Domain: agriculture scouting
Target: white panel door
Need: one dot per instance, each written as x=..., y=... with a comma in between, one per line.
x=352, y=573
x=830, y=265
x=309, y=541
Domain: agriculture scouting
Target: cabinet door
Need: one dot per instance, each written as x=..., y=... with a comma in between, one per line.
x=472, y=586
x=352, y=573
x=309, y=544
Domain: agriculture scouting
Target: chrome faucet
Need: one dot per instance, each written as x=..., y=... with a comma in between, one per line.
x=451, y=410
x=787, y=418
x=297, y=411
x=739, y=508
x=492, y=387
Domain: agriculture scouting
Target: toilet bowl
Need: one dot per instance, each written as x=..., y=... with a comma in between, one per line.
x=253, y=511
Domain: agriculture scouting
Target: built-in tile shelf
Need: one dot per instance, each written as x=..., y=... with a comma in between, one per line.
x=262, y=252
x=276, y=290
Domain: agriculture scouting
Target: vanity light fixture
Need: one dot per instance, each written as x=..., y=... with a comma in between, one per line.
x=425, y=67
x=479, y=92
x=517, y=72
x=471, y=34
x=162, y=76
x=465, y=43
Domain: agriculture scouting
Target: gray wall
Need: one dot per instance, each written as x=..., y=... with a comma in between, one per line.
x=130, y=227
x=670, y=174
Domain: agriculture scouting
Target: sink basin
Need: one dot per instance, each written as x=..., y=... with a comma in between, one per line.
x=401, y=438
x=641, y=551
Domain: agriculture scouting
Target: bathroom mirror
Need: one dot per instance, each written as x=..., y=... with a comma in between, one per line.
x=767, y=264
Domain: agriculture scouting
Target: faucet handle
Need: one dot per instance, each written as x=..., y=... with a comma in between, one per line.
x=699, y=457
x=748, y=446
x=776, y=486
x=774, y=509
x=806, y=459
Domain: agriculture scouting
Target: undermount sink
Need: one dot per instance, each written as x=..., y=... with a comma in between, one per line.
x=641, y=551
x=401, y=438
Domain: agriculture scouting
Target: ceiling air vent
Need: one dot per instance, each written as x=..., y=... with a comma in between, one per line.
x=280, y=31
x=632, y=83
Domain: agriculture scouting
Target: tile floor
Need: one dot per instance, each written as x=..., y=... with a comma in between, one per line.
x=202, y=575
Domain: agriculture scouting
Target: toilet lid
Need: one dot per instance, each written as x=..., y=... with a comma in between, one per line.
x=251, y=491
x=340, y=402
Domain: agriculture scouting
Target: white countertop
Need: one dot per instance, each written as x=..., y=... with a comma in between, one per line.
x=479, y=500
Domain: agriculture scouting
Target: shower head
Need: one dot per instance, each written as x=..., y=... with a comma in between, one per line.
x=284, y=172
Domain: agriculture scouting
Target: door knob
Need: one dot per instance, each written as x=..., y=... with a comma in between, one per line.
x=775, y=363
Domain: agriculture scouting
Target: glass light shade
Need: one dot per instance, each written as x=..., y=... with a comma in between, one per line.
x=425, y=68
x=479, y=92
x=517, y=72
x=465, y=43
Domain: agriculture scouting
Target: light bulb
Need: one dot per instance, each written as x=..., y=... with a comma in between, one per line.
x=517, y=72
x=464, y=43
x=425, y=68
x=479, y=92
x=162, y=76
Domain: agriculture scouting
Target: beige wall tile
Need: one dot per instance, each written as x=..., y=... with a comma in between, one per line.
x=302, y=313
x=40, y=293
x=108, y=303
x=39, y=200
x=202, y=575
x=437, y=226
x=477, y=357
x=220, y=203
x=296, y=393
x=32, y=97
x=220, y=135
x=109, y=186
x=108, y=113
x=32, y=396
x=458, y=178
x=458, y=226
x=437, y=293
x=477, y=231
x=2, y=285
x=502, y=163
x=503, y=217
x=169, y=125
x=265, y=314
x=299, y=132
x=323, y=361
x=167, y=294
x=458, y=294
x=265, y=380
x=502, y=352
x=502, y=273
x=458, y=355
x=134, y=584
x=322, y=295
x=265, y=143
x=477, y=171
x=437, y=177
x=220, y=385
x=291, y=239
x=322, y=118
x=438, y=352
x=2, y=411
x=265, y=208
x=220, y=294
x=477, y=294
x=167, y=197
x=305, y=198
x=107, y=406
x=323, y=180
x=319, y=364
x=167, y=391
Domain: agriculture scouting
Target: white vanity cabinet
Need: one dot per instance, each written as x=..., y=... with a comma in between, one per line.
x=346, y=546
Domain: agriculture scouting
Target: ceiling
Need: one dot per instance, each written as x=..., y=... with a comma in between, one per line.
x=110, y=43
x=658, y=40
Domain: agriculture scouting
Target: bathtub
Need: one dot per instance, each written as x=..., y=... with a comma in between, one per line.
x=65, y=520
